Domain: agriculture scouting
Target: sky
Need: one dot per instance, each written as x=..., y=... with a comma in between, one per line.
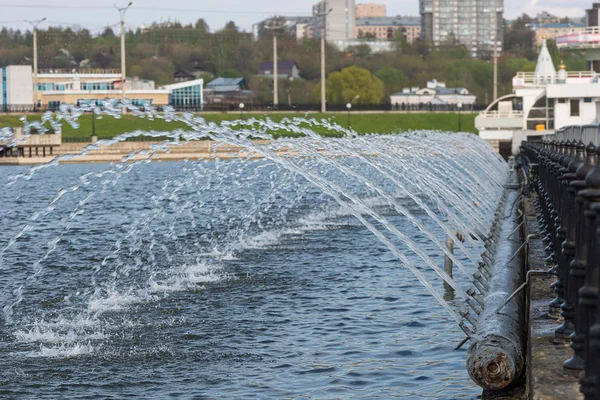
x=100, y=13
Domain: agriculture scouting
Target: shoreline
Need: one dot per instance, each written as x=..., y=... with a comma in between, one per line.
x=201, y=150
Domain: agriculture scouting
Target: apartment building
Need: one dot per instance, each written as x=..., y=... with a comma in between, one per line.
x=476, y=24
x=337, y=18
x=370, y=10
x=385, y=28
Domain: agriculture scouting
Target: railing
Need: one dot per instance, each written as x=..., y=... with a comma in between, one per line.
x=533, y=79
x=566, y=177
x=588, y=37
x=255, y=107
x=496, y=114
x=80, y=71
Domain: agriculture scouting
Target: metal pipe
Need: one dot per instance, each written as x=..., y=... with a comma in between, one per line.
x=496, y=358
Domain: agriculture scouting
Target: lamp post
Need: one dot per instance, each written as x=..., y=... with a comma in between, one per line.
x=35, y=24
x=122, y=11
x=275, y=66
x=323, y=100
x=349, y=106
x=459, y=117
x=242, y=111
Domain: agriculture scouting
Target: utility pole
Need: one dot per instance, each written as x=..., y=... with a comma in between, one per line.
x=122, y=11
x=35, y=24
x=275, y=74
x=275, y=66
x=323, y=99
x=495, y=15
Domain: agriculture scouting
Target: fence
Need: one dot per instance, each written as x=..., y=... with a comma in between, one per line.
x=255, y=107
x=566, y=176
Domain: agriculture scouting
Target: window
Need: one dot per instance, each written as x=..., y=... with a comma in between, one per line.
x=562, y=101
x=587, y=99
x=575, y=108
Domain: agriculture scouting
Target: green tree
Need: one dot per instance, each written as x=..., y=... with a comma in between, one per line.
x=230, y=73
x=343, y=87
x=393, y=79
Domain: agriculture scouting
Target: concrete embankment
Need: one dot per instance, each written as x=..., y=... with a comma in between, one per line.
x=138, y=151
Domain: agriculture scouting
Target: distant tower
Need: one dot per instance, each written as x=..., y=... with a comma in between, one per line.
x=544, y=69
x=340, y=23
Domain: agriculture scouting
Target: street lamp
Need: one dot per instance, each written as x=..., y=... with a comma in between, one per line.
x=122, y=11
x=35, y=24
x=349, y=106
x=242, y=111
x=459, y=117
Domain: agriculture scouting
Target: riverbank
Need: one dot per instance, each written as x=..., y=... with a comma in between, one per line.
x=71, y=153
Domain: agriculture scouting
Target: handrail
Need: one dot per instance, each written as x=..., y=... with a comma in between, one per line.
x=570, y=74
x=496, y=114
x=536, y=79
x=79, y=71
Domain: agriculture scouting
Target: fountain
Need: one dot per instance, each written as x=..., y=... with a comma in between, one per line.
x=119, y=251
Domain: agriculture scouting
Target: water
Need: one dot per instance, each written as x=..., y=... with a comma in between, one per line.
x=242, y=278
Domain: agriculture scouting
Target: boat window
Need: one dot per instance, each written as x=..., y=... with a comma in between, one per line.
x=575, y=108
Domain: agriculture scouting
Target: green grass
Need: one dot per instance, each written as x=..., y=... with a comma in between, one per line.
x=108, y=127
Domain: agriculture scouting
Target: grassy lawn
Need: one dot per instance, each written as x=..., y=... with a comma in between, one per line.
x=108, y=127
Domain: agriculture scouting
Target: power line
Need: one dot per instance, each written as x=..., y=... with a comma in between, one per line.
x=50, y=6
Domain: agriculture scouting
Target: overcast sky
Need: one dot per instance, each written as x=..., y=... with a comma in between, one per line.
x=96, y=14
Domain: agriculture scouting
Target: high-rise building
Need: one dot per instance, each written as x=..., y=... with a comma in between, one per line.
x=476, y=24
x=370, y=10
x=339, y=23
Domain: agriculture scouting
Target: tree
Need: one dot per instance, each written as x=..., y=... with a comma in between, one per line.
x=519, y=39
x=343, y=87
x=393, y=79
x=230, y=73
x=201, y=26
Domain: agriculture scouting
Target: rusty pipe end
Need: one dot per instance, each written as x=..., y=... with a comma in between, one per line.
x=494, y=365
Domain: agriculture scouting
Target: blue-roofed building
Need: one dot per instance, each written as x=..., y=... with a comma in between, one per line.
x=227, y=91
x=285, y=69
x=553, y=30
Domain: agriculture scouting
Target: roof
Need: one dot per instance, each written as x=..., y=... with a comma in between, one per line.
x=561, y=25
x=388, y=21
x=544, y=66
x=185, y=84
x=281, y=66
x=437, y=91
x=443, y=90
x=183, y=73
x=225, y=82
x=225, y=88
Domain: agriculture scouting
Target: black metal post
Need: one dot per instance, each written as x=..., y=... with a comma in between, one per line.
x=576, y=179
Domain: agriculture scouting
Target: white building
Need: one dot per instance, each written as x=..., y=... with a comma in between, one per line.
x=435, y=94
x=541, y=101
x=86, y=86
x=16, y=88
